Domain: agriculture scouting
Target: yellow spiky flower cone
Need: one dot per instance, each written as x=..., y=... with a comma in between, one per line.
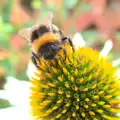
x=82, y=87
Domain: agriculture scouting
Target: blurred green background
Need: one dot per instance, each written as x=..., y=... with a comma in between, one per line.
x=96, y=20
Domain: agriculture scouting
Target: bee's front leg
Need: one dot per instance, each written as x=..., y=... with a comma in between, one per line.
x=70, y=42
x=34, y=60
x=64, y=50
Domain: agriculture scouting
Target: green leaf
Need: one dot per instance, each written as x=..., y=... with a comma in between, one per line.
x=7, y=66
x=4, y=103
x=8, y=28
x=7, y=10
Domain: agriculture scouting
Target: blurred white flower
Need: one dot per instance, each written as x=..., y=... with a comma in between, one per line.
x=14, y=113
x=17, y=92
x=118, y=73
x=116, y=62
x=78, y=40
x=31, y=69
x=107, y=48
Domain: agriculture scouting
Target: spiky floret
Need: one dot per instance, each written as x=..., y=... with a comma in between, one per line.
x=82, y=87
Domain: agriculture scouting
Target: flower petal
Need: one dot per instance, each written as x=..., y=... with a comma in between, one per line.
x=78, y=40
x=106, y=49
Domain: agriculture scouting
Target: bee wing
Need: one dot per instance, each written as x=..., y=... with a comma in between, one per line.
x=46, y=21
x=25, y=33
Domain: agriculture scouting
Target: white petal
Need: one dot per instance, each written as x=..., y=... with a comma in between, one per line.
x=78, y=40
x=14, y=113
x=116, y=62
x=118, y=114
x=31, y=69
x=118, y=73
x=3, y=94
x=107, y=48
x=17, y=92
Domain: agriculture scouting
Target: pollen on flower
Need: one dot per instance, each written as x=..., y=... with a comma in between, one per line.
x=83, y=86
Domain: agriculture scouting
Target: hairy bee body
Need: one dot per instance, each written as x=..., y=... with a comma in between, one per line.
x=47, y=44
x=45, y=40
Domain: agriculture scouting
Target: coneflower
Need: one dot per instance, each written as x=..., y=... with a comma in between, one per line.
x=82, y=87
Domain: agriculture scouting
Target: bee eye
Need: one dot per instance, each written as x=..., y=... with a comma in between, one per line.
x=35, y=35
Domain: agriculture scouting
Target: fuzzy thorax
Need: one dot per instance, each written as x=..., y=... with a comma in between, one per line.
x=42, y=40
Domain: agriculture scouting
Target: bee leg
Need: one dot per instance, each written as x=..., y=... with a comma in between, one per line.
x=64, y=50
x=70, y=42
x=35, y=62
x=35, y=56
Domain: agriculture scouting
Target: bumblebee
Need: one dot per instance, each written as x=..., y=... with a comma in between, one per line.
x=45, y=40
